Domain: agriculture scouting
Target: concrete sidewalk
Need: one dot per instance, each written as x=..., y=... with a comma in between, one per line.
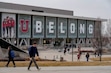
x=55, y=54
x=65, y=69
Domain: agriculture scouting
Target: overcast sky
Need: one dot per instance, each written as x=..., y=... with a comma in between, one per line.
x=88, y=8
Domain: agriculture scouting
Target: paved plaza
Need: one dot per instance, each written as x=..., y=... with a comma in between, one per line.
x=70, y=69
x=55, y=54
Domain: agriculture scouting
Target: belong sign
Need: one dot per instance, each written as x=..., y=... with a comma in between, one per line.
x=52, y=27
x=48, y=27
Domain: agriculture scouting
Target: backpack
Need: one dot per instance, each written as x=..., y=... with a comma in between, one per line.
x=29, y=49
x=12, y=54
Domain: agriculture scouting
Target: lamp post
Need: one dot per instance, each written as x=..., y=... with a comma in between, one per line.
x=72, y=49
x=73, y=46
x=100, y=50
x=100, y=42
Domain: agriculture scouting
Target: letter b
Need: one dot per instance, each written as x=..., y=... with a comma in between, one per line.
x=38, y=26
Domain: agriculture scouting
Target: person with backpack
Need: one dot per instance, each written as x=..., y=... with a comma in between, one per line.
x=32, y=52
x=11, y=56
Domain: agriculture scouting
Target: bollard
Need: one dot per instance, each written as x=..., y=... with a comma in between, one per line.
x=45, y=57
x=57, y=57
x=53, y=57
x=61, y=59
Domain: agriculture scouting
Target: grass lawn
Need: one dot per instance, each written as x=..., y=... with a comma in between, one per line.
x=103, y=59
x=106, y=61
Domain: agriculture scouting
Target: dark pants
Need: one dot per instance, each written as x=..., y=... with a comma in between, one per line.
x=87, y=59
x=33, y=60
x=10, y=59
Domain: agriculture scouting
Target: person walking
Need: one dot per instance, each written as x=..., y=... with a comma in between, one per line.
x=32, y=52
x=65, y=50
x=87, y=56
x=78, y=57
x=79, y=49
x=11, y=56
x=95, y=53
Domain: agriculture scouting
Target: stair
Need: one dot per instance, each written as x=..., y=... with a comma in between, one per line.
x=5, y=44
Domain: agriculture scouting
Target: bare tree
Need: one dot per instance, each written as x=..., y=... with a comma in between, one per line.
x=98, y=38
x=108, y=32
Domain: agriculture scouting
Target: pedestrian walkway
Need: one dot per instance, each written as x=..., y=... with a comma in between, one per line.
x=64, y=69
x=55, y=54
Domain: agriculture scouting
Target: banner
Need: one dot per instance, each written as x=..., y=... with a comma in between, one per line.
x=50, y=27
x=82, y=28
x=72, y=28
x=24, y=26
x=90, y=29
x=62, y=28
x=8, y=28
x=38, y=27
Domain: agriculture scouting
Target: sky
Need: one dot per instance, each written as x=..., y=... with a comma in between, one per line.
x=86, y=8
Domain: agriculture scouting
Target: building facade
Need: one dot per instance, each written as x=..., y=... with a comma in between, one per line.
x=21, y=24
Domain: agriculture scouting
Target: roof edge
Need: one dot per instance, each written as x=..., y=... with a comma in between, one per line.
x=49, y=14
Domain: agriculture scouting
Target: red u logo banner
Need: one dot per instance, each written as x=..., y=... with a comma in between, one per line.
x=24, y=25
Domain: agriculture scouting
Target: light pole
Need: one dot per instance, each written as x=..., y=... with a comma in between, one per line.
x=73, y=46
x=72, y=51
x=100, y=42
x=100, y=50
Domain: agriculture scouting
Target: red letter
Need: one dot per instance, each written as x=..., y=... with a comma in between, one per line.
x=24, y=25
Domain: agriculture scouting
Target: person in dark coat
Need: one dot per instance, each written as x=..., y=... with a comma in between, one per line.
x=87, y=56
x=32, y=52
x=95, y=53
x=65, y=50
x=10, y=56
